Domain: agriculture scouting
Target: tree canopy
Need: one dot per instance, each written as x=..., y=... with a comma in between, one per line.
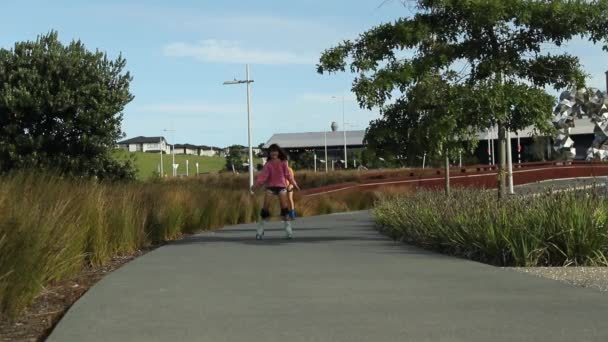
x=491, y=52
x=236, y=158
x=61, y=108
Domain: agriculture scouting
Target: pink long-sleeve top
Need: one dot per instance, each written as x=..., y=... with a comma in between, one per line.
x=274, y=174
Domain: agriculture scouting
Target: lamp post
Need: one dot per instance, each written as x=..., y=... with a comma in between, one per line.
x=344, y=132
x=247, y=81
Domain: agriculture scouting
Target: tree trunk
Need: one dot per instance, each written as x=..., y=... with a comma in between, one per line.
x=502, y=154
x=447, y=174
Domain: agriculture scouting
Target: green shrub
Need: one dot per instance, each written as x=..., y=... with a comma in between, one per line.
x=546, y=230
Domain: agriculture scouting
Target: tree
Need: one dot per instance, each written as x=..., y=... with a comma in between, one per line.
x=306, y=160
x=61, y=108
x=498, y=48
x=235, y=159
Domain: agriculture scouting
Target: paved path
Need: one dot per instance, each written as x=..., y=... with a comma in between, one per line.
x=567, y=184
x=338, y=281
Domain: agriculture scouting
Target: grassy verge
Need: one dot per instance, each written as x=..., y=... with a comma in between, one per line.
x=568, y=228
x=147, y=163
x=52, y=227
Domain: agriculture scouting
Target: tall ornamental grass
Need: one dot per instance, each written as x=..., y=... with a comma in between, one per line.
x=51, y=227
x=552, y=229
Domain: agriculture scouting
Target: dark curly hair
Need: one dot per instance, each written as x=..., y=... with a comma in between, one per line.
x=277, y=148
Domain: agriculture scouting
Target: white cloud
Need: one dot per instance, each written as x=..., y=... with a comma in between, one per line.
x=326, y=97
x=223, y=51
x=188, y=108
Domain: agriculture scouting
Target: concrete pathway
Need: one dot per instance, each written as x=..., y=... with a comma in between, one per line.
x=338, y=281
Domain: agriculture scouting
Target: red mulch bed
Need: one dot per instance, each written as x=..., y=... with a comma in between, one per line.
x=37, y=322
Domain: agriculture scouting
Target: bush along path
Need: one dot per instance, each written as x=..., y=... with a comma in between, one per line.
x=549, y=229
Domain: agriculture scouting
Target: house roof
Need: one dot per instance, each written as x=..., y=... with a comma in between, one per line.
x=581, y=126
x=190, y=146
x=316, y=139
x=141, y=140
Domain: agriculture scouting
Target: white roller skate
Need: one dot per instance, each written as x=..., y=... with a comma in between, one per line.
x=259, y=234
x=288, y=230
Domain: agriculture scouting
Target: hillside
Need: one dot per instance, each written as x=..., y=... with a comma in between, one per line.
x=147, y=163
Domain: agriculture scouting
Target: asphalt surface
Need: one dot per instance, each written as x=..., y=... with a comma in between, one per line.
x=562, y=185
x=339, y=280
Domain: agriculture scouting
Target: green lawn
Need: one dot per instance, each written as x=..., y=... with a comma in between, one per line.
x=147, y=163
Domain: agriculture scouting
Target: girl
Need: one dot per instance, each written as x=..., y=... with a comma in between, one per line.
x=290, y=188
x=274, y=176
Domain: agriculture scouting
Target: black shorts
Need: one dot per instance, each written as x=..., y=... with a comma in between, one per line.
x=276, y=190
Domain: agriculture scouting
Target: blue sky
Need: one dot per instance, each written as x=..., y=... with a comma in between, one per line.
x=179, y=53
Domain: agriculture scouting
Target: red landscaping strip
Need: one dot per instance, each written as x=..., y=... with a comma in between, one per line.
x=481, y=176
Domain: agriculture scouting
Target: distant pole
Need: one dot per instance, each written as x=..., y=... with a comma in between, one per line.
x=160, y=147
x=197, y=168
x=423, y=160
x=172, y=150
x=187, y=168
x=315, y=161
x=344, y=130
x=249, y=130
x=460, y=158
x=326, y=161
x=493, y=150
x=332, y=164
x=173, y=156
x=247, y=81
x=509, y=163
x=489, y=149
x=518, y=149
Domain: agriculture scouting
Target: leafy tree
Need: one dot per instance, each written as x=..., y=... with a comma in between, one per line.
x=498, y=48
x=306, y=160
x=61, y=108
x=235, y=159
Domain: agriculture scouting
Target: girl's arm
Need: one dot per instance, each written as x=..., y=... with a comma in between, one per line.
x=262, y=177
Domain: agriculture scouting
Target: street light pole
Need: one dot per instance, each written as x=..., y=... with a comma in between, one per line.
x=247, y=81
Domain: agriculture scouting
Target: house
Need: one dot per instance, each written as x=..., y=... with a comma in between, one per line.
x=188, y=149
x=145, y=144
x=208, y=151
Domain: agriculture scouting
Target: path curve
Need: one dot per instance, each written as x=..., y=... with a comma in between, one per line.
x=338, y=281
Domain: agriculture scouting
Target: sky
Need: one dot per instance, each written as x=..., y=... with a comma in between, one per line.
x=180, y=52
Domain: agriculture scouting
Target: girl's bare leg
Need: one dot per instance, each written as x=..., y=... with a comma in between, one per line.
x=292, y=204
x=264, y=215
x=284, y=199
